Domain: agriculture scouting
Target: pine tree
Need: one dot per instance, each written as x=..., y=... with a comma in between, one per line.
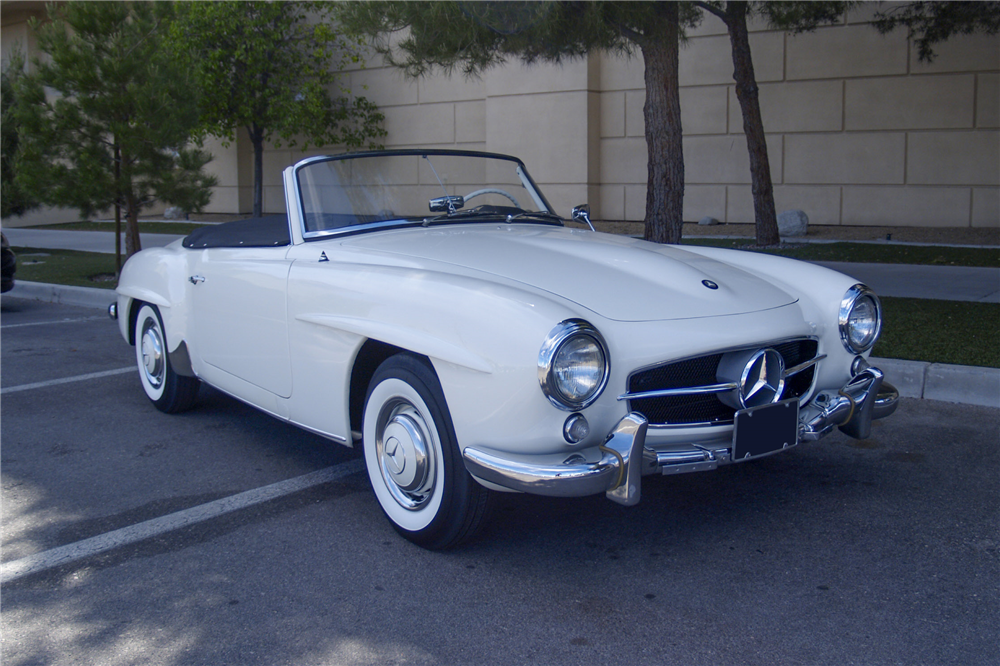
x=106, y=117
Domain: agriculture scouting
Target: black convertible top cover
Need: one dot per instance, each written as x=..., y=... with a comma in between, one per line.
x=267, y=231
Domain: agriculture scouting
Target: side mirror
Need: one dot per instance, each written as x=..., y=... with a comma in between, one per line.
x=581, y=213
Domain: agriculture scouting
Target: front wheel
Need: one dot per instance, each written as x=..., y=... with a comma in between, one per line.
x=413, y=460
x=168, y=391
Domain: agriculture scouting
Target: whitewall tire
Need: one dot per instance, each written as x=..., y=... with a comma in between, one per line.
x=413, y=459
x=167, y=390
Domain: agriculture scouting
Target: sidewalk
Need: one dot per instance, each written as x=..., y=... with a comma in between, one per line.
x=949, y=283
x=83, y=241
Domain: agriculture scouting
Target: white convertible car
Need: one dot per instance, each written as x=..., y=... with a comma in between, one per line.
x=430, y=307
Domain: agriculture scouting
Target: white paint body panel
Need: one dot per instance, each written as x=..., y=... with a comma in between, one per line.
x=280, y=328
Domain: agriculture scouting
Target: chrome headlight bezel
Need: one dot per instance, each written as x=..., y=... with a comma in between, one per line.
x=548, y=356
x=855, y=296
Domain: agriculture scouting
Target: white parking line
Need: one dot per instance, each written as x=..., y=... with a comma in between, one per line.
x=66, y=380
x=58, y=321
x=48, y=559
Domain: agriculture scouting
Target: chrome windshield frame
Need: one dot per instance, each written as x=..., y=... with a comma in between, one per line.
x=527, y=182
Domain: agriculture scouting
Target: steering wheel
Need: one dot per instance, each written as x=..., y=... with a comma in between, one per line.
x=492, y=190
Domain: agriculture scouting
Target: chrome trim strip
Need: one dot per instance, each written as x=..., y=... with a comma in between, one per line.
x=355, y=228
x=726, y=350
x=794, y=370
x=691, y=390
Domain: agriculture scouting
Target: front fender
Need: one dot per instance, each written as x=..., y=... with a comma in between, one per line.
x=156, y=276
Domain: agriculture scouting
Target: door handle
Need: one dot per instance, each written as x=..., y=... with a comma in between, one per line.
x=195, y=279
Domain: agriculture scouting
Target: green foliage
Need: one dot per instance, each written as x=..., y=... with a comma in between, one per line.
x=14, y=200
x=107, y=116
x=475, y=36
x=929, y=23
x=800, y=17
x=273, y=68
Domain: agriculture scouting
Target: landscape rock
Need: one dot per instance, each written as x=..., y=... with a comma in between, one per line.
x=175, y=213
x=793, y=223
x=708, y=221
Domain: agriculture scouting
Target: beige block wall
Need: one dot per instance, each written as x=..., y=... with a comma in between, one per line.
x=858, y=130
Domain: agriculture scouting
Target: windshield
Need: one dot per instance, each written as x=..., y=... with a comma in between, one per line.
x=375, y=190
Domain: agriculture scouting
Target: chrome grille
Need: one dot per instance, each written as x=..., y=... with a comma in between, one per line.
x=706, y=408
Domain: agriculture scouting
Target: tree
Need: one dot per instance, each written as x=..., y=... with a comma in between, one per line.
x=929, y=23
x=268, y=67
x=475, y=36
x=106, y=118
x=794, y=16
x=13, y=199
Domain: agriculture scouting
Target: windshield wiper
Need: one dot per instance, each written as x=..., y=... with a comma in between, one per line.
x=534, y=213
x=485, y=210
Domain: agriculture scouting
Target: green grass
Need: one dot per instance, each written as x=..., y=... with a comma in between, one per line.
x=871, y=253
x=955, y=332
x=80, y=269
x=144, y=227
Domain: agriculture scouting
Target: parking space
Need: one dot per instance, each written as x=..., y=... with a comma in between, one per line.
x=883, y=551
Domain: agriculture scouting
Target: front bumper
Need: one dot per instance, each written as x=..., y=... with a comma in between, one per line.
x=625, y=457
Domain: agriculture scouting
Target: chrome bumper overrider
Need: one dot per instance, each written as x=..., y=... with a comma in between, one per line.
x=625, y=458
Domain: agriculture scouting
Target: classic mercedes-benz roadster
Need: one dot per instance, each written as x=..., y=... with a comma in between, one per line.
x=431, y=308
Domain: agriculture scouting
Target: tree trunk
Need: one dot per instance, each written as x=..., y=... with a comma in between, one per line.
x=765, y=216
x=257, y=139
x=132, y=243
x=118, y=211
x=662, y=115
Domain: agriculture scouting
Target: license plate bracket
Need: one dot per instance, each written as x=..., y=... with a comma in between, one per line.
x=761, y=431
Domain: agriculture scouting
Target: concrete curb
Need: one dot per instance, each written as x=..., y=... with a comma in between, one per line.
x=88, y=297
x=969, y=385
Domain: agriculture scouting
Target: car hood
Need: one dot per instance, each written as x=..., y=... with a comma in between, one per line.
x=617, y=277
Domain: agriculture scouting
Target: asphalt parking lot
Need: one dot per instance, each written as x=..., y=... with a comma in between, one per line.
x=885, y=551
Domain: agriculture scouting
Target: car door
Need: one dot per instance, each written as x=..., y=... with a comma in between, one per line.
x=239, y=318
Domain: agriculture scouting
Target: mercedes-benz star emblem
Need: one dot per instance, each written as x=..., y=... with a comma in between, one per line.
x=394, y=456
x=763, y=379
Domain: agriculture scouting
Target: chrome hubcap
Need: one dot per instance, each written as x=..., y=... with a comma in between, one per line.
x=152, y=354
x=405, y=454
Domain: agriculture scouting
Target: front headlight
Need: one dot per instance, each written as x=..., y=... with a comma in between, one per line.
x=573, y=365
x=860, y=319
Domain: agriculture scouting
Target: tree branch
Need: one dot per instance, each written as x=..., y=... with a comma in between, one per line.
x=712, y=9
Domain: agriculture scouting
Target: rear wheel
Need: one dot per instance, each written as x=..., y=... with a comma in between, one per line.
x=413, y=459
x=167, y=390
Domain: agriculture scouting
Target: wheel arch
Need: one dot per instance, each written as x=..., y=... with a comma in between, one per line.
x=369, y=357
